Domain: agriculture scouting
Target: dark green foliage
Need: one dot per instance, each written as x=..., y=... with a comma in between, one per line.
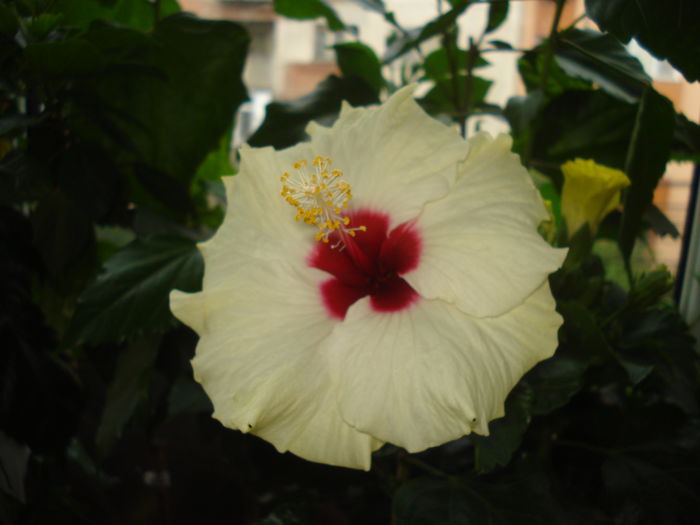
x=648, y=153
x=424, y=501
x=669, y=29
x=309, y=9
x=439, y=26
x=130, y=297
x=506, y=432
x=498, y=12
x=285, y=122
x=602, y=60
x=129, y=386
x=359, y=61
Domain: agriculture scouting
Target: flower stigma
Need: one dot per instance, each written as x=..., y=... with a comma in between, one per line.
x=321, y=198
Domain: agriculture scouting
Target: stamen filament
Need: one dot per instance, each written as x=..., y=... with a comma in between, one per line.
x=320, y=199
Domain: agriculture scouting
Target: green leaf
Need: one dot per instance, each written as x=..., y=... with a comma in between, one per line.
x=443, y=99
x=521, y=112
x=662, y=486
x=62, y=230
x=308, y=10
x=647, y=156
x=13, y=466
x=358, y=60
x=506, y=433
x=437, y=64
x=176, y=118
x=435, y=27
x=8, y=22
x=500, y=44
x=218, y=162
x=580, y=247
x=129, y=386
x=285, y=122
x=666, y=29
x=374, y=5
x=602, y=131
x=137, y=14
x=686, y=140
x=659, y=222
x=531, y=67
x=498, y=11
x=63, y=58
x=556, y=380
x=602, y=60
x=424, y=501
x=187, y=396
x=130, y=297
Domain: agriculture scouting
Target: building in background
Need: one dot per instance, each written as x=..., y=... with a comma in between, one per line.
x=288, y=58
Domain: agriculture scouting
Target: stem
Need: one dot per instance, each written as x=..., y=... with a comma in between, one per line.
x=156, y=11
x=426, y=467
x=472, y=56
x=400, y=477
x=551, y=45
x=454, y=78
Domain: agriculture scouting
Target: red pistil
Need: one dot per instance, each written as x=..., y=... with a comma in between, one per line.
x=371, y=263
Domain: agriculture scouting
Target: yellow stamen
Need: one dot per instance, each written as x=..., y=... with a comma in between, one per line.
x=320, y=199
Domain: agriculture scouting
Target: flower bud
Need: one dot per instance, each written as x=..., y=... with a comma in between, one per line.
x=591, y=191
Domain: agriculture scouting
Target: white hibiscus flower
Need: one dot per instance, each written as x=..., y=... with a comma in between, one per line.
x=405, y=310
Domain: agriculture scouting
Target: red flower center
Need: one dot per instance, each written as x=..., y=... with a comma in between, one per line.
x=371, y=263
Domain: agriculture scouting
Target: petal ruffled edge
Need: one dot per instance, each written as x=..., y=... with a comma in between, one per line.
x=481, y=248
x=430, y=374
x=395, y=156
x=259, y=361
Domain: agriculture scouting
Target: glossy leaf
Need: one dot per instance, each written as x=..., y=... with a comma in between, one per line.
x=130, y=297
x=13, y=466
x=75, y=56
x=669, y=29
x=439, y=64
x=686, y=140
x=659, y=222
x=129, y=386
x=505, y=433
x=358, y=60
x=424, y=501
x=556, y=380
x=647, y=156
x=8, y=22
x=62, y=230
x=172, y=122
x=308, y=10
x=656, y=484
x=435, y=27
x=498, y=12
x=602, y=60
x=531, y=68
x=602, y=131
x=285, y=122
x=133, y=13
x=448, y=96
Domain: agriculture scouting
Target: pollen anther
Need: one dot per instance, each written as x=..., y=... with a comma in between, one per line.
x=320, y=199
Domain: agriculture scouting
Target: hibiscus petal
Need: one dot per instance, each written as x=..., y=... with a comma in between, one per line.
x=395, y=156
x=259, y=223
x=481, y=250
x=259, y=361
x=430, y=374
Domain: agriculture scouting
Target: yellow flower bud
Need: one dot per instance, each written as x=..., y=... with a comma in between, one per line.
x=590, y=192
